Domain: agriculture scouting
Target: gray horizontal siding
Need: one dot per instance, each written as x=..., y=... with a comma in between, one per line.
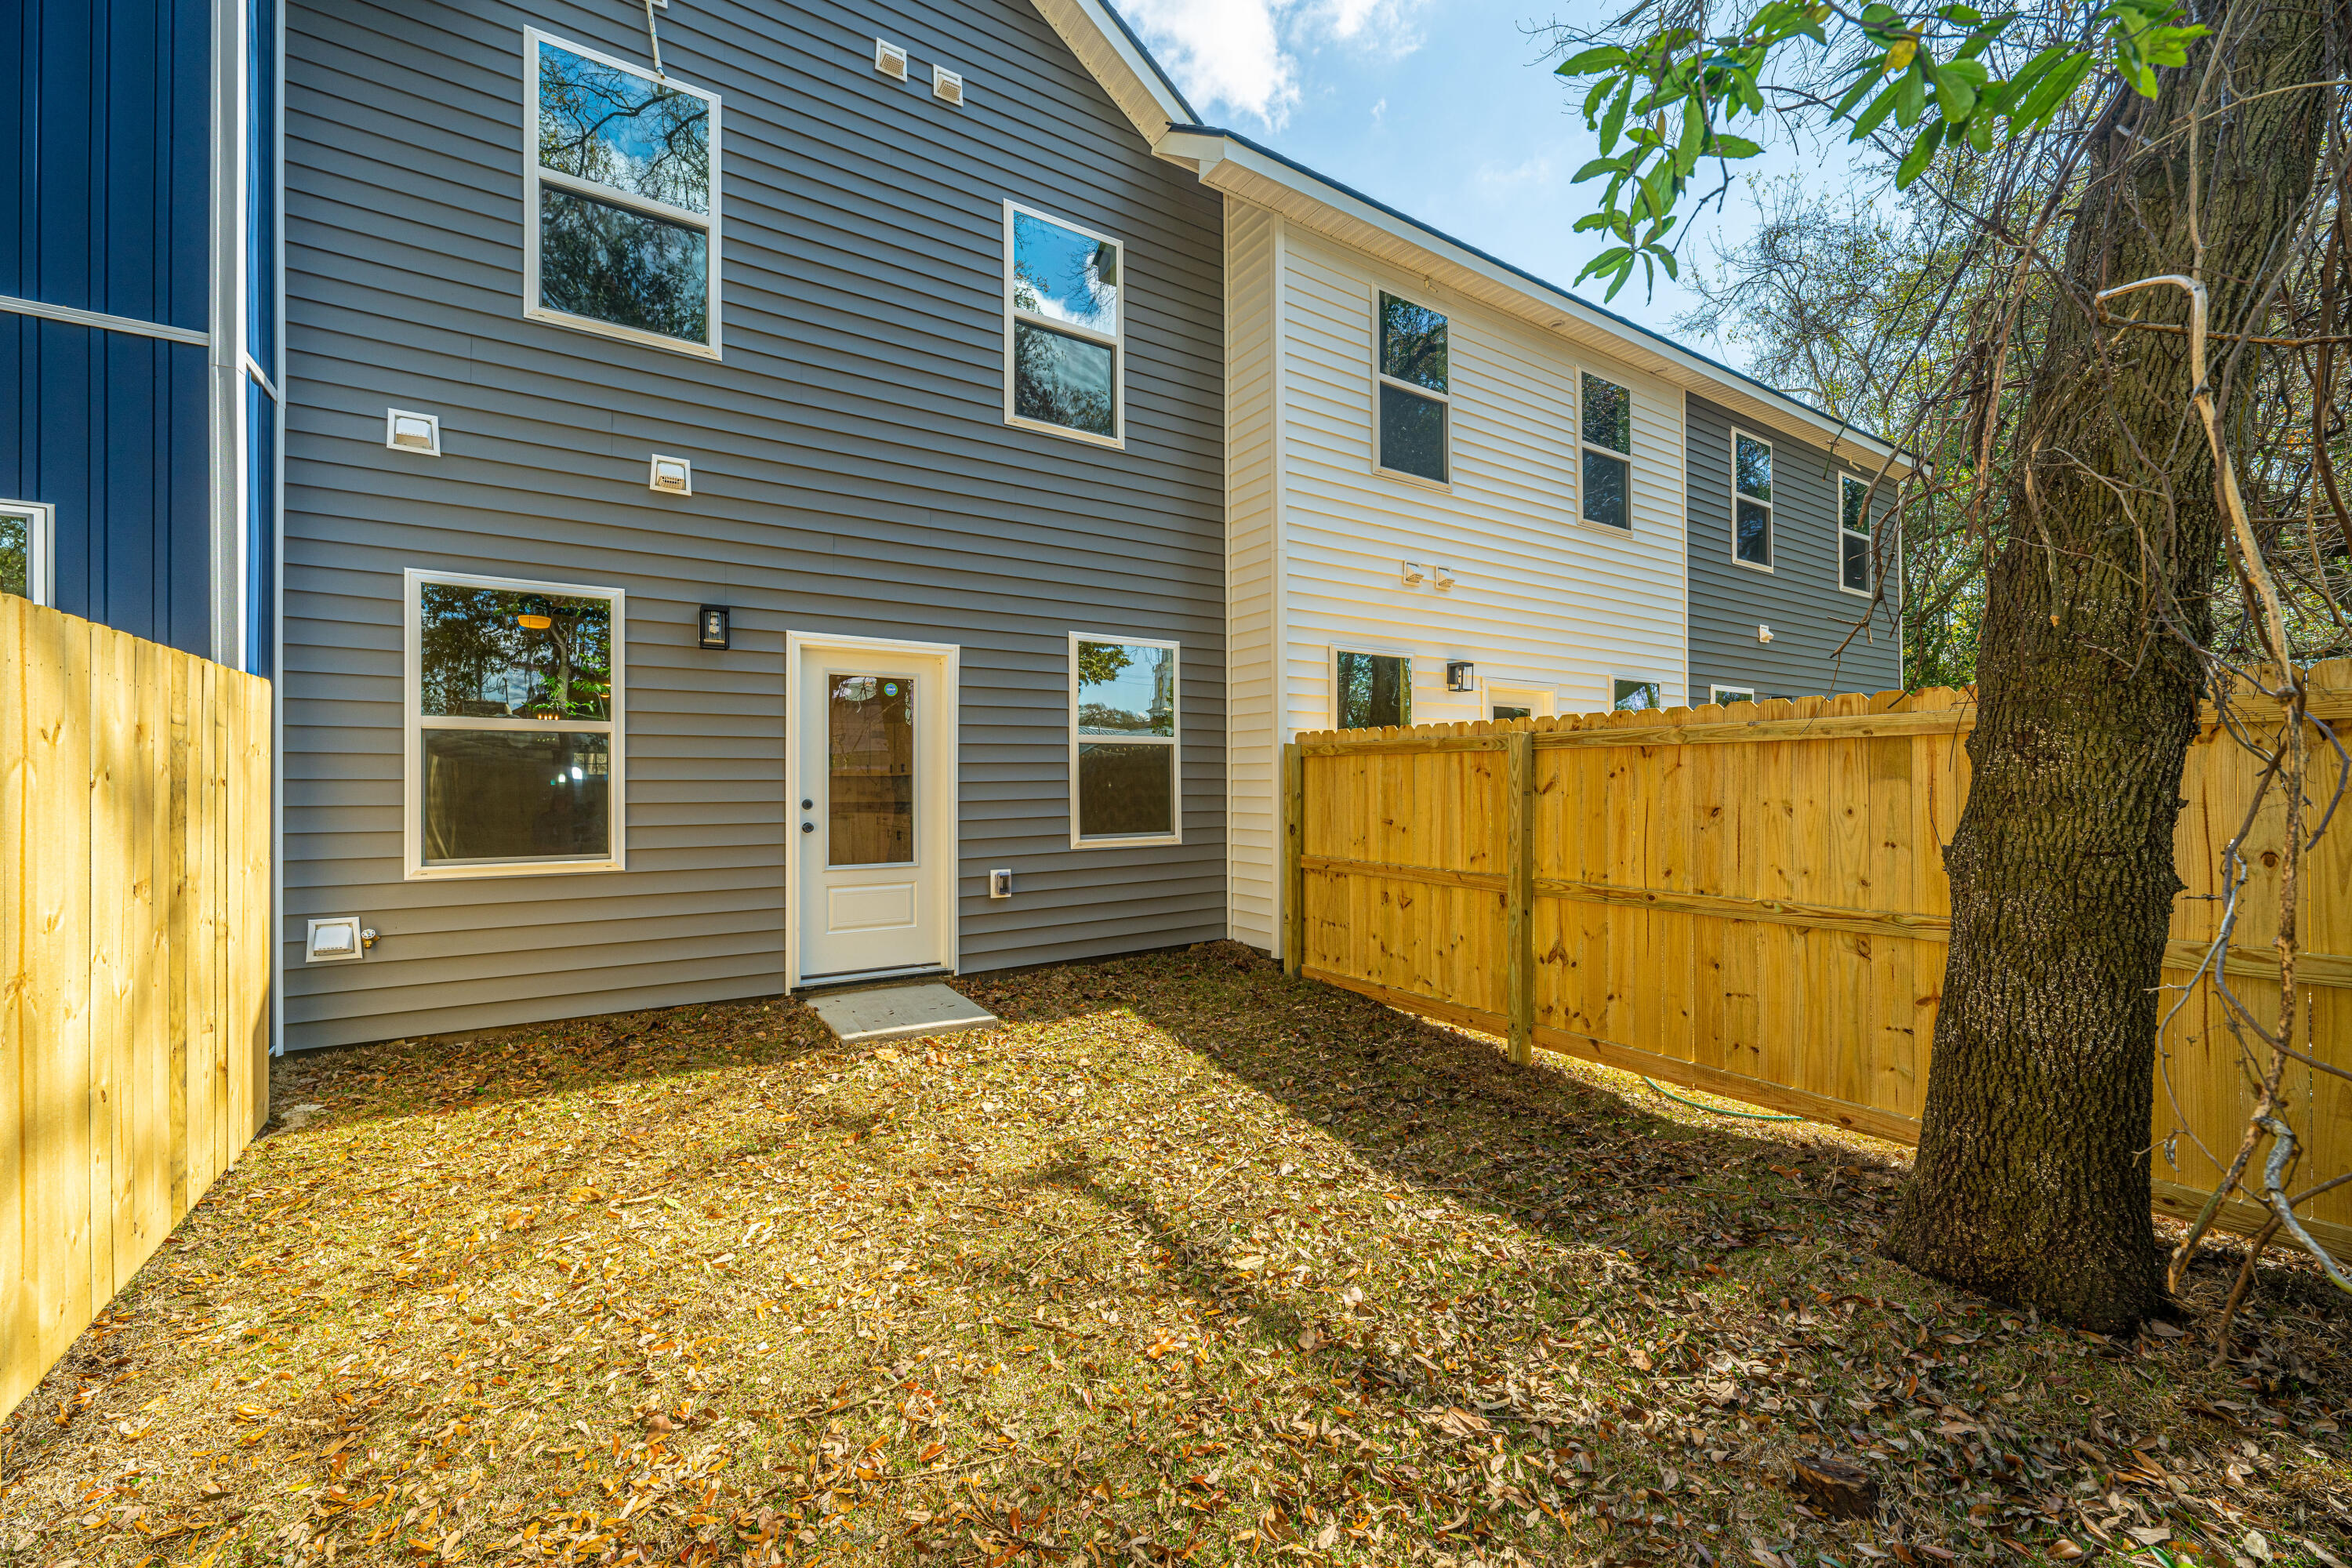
x=1824, y=640
x=852, y=475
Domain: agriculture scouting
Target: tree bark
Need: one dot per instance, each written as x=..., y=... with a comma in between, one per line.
x=2032, y=1184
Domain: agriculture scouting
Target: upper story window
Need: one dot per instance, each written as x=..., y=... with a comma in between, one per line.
x=1605, y=432
x=1412, y=390
x=24, y=550
x=1125, y=742
x=1854, y=533
x=1751, y=501
x=1064, y=323
x=620, y=199
x=514, y=726
x=1375, y=691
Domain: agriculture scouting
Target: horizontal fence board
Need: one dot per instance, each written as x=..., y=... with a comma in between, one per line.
x=135, y=969
x=1753, y=900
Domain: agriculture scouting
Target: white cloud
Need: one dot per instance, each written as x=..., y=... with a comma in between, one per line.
x=1496, y=180
x=1242, y=55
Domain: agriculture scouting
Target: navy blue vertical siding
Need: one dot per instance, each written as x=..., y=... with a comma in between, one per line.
x=105, y=185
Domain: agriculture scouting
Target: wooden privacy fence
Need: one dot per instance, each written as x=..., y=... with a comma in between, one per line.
x=134, y=949
x=1751, y=900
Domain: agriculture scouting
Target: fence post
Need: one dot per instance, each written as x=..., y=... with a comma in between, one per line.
x=1519, y=893
x=1294, y=845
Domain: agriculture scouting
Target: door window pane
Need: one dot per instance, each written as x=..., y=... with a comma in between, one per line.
x=1605, y=483
x=489, y=653
x=599, y=122
x=870, y=771
x=1512, y=710
x=1608, y=418
x=1375, y=691
x=16, y=555
x=1126, y=791
x=1126, y=689
x=1412, y=434
x=1059, y=379
x=1412, y=344
x=626, y=267
x=1063, y=275
x=507, y=794
x=1752, y=533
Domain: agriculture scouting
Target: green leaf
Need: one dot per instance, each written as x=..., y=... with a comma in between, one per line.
x=1693, y=138
x=1665, y=259
x=1961, y=16
x=1614, y=121
x=1878, y=110
x=1915, y=161
x=1591, y=221
x=2053, y=89
x=1911, y=97
x=1954, y=96
x=1595, y=169
x=1615, y=257
x=1600, y=58
x=1735, y=147
x=1981, y=132
x=1863, y=82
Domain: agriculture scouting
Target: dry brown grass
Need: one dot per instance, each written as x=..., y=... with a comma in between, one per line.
x=1189, y=1261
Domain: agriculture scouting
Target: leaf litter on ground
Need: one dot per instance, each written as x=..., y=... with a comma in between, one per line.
x=1187, y=1262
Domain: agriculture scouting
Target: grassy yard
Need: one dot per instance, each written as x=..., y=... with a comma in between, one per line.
x=1190, y=1262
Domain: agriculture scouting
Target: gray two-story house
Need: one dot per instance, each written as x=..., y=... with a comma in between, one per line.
x=754, y=501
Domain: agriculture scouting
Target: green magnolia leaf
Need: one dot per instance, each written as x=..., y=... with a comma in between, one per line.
x=1915, y=161
x=2054, y=88
x=1878, y=110
x=1954, y=96
x=1735, y=147
x=1591, y=221
x=1911, y=97
x=1972, y=72
x=1615, y=257
x=1863, y=83
x=1595, y=169
x=1665, y=259
x=1600, y=58
x=1961, y=16
x=1981, y=132
x=1614, y=121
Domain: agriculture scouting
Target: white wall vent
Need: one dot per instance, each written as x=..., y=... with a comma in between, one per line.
x=946, y=85
x=670, y=476
x=890, y=59
x=407, y=432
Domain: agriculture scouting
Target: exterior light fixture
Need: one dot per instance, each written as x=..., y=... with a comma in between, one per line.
x=1460, y=675
x=716, y=624
x=533, y=616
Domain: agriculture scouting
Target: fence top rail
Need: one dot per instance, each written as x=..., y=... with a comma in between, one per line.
x=1853, y=716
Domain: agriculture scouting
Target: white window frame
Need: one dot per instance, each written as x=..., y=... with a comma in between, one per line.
x=1382, y=378
x=1772, y=507
x=1626, y=458
x=1870, y=589
x=1173, y=741
x=1115, y=340
x=40, y=545
x=1375, y=651
x=415, y=723
x=1719, y=695
x=533, y=177
x=1651, y=681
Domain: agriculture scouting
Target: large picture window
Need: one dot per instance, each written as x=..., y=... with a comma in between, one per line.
x=1375, y=690
x=1126, y=743
x=514, y=727
x=1854, y=533
x=1062, y=325
x=1604, y=431
x=620, y=199
x=24, y=530
x=1751, y=501
x=1413, y=388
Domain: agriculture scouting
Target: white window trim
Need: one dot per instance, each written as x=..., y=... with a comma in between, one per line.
x=1539, y=700
x=1870, y=562
x=413, y=725
x=40, y=546
x=1626, y=458
x=533, y=176
x=1772, y=507
x=1174, y=742
x=1657, y=680
x=1382, y=378
x=1115, y=340
x=1377, y=650
x=1717, y=694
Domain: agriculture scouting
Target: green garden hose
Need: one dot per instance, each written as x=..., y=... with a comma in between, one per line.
x=1718, y=1110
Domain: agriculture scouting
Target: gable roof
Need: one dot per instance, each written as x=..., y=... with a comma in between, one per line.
x=1228, y=160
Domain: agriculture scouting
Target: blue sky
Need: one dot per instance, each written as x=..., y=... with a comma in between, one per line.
x=1445, y=108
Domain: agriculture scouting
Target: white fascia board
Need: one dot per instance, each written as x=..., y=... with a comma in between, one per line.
x=1233, y=166
x=1110, y=53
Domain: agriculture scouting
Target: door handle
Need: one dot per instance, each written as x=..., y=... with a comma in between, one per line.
x=808, y=827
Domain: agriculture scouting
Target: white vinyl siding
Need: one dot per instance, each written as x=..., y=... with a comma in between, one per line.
x=1541, y=602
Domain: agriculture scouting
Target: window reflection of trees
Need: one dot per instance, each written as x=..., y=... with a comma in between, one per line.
x=601, y=123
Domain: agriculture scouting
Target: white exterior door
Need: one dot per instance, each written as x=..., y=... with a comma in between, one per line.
x=874, y=849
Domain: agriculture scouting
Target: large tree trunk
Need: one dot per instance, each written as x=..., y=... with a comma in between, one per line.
x=2032, y=1178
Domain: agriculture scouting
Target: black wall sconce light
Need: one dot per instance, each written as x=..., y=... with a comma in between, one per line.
x=717, y=629
x=1460, y=675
